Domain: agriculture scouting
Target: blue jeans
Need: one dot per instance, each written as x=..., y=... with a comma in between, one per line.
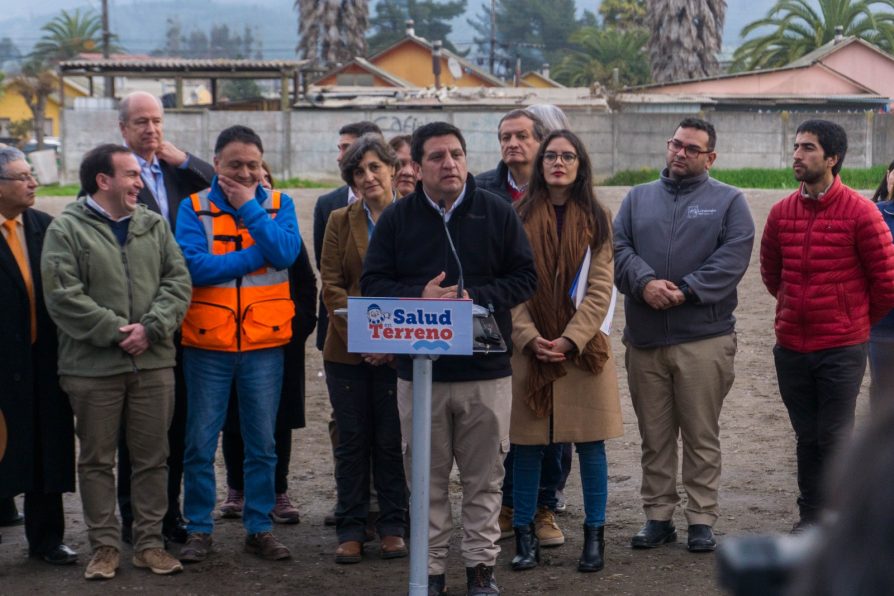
x=593, y=476
x=881, y=367
x=550, y=476
x=209, y=376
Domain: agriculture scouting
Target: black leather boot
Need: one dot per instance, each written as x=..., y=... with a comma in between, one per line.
x=592, y=557
x=527, y=548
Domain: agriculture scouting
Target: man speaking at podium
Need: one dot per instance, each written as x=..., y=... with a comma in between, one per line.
x=410, y=256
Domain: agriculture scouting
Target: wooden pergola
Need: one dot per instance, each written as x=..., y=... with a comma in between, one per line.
x=180, y=69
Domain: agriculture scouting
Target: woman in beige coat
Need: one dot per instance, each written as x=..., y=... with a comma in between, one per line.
x=362, y=387
x=564, y=386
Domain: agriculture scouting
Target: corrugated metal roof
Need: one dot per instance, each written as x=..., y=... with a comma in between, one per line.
x=179, y=65
x=451, y=97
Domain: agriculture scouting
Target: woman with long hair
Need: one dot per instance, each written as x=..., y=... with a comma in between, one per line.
x=362, y=387
x=564, y=386
x=881, y=336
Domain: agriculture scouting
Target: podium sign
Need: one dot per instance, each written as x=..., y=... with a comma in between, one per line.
x=415, y=326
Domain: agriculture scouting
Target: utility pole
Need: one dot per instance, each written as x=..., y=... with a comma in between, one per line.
x=493, y=34
x=436, y=62
x=106, y=44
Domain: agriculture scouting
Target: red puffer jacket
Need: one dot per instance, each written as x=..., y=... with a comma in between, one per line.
x=830, y=265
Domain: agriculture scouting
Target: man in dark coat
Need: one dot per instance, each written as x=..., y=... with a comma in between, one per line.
x=39, y=460
x=169, y=175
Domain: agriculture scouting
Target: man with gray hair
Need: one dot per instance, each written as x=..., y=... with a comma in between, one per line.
x=39, y=460
x=169, y=175
x=520, y=133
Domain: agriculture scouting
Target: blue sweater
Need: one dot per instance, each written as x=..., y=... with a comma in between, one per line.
x=884, y=329
x=277, y=241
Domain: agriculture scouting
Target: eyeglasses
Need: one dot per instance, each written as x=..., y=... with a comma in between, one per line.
x=20, y=178
x=691, y=151
x=567, y=157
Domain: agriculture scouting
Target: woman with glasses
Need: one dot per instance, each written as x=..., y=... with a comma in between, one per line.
x=362, y=387
x=881, y=336
x=564, y=387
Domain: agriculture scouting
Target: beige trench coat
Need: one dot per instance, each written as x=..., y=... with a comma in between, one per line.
x=586, y=407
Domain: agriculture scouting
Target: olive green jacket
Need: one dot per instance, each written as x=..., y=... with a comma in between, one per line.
x=93, y=286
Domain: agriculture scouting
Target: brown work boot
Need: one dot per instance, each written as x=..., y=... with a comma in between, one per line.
x=266, y=546
x=348, y=552
x=546, y=528
x=393, y=547
x=104, y=563
x=158, y=561
x=505, y=520
x=196, y=548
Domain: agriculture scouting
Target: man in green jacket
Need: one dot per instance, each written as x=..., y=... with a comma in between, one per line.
x=117, y=287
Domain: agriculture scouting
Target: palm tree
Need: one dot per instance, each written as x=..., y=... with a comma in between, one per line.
x=798, y=28
x=686, y=37
x=332, y=31
x=68, y=35
x=599, y=51
x=35, y=84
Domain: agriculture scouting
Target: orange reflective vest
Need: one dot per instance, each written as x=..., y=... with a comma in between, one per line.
x=247, y=313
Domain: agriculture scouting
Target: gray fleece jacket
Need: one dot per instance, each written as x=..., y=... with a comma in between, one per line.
x=695, y=231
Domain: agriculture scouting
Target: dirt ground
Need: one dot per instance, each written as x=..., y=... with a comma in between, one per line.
x=757, y=494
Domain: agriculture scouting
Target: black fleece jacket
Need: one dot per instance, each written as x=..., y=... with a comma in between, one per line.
x=409, y=247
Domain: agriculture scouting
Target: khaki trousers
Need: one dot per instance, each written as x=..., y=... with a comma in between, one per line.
x=145, y=402
x=470, y=424
x=679, y=390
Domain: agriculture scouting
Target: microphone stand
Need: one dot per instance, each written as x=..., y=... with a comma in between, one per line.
x=460, y=282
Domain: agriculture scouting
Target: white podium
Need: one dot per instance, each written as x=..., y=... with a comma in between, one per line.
x=423, y=329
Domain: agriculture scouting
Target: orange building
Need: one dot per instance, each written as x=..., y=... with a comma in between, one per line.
x=408, y=63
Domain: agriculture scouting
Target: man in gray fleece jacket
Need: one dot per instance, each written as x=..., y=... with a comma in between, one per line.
x=682, y=244
x=117, y=287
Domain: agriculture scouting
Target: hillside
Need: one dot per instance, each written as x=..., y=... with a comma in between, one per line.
x=140, y=26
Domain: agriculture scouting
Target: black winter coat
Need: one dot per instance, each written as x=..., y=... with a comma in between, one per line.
x=40, y=453
x=409, y=247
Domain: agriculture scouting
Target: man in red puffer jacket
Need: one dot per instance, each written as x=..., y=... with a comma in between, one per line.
x=827, y=257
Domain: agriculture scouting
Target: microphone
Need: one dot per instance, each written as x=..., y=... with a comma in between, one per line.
x=460, y=283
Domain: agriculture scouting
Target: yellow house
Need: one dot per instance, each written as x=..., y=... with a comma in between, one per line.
x=408, y=62
x=14, y=108
x=538, y=80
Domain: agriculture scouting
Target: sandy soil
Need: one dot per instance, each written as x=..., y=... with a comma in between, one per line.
x=757, y=495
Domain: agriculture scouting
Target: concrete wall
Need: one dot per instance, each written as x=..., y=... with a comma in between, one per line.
x=302, y=143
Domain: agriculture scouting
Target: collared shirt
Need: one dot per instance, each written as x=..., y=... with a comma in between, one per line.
x=518, y=187
x=352, y=198
x=154, y=179
x=818, y=197
x=91, y=202
x=20, y=230
x=370, y=224
x=459, y=199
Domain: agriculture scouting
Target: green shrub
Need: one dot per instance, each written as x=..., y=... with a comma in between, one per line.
x=301, y=183
x=58, y=190
x=781, y=178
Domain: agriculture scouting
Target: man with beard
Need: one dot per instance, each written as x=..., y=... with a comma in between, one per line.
x=827, y=258
x=682, y=244
x=117, y=287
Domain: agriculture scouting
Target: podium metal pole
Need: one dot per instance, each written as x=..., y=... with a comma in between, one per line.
x=420, y=451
